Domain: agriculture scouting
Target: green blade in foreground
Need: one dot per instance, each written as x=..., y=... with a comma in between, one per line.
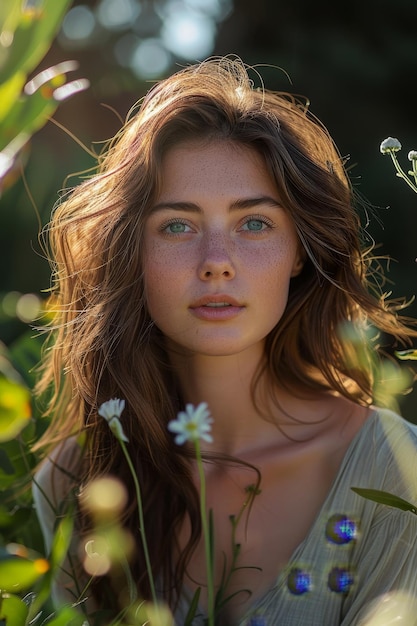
x=383, y=497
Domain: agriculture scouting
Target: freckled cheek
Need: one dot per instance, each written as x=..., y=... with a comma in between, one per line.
x=273, y=264
x=164, y=271
x=272, y=279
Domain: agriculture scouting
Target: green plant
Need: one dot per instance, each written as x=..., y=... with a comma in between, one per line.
x=391, y=146
x=26, y=33
x=27, y=30
x=108, y=545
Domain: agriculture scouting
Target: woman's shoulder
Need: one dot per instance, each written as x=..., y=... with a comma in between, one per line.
x=58, y=474
x=63, y=460
x=392, y=430
x=385, y=453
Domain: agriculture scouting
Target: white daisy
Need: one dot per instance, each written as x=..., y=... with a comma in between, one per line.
x=192, y=424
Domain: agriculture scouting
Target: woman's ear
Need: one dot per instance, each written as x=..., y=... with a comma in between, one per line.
x=299, y=261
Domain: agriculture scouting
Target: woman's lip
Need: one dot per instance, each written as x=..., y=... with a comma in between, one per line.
x=203, y=307
x=216, y=299
x=219, y=313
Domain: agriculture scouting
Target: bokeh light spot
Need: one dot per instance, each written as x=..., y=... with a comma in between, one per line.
x=28, y=307
x=188, y=34
x=150, y=59
x=78, y=24
x=218, y=9
x=9, y=303
x=104, y=497
x=96, y=561
x=117, y=14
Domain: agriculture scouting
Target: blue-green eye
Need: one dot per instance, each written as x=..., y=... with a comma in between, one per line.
x=176, y=228
x=255, y=225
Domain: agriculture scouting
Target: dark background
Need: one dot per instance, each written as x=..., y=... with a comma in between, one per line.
x=356, y=62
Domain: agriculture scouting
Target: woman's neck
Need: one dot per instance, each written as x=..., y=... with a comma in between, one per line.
x=245, y=427
x=226, y=384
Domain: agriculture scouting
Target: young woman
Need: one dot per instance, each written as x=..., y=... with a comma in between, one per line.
x=216, y=257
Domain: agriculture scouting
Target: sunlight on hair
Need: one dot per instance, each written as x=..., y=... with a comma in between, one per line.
x=390, y=378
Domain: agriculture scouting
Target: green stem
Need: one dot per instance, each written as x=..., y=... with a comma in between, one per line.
x=415, y=170
x=206, y=534
x=401, y=172
x=141, y=522
x=235, y=521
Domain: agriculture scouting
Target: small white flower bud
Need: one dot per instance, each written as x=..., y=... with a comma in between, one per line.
x=111, y=411
x=390, y=144
x=412, y=155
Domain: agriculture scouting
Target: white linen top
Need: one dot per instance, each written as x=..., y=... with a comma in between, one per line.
x=358, y=564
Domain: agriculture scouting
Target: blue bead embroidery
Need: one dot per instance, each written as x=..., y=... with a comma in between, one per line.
x=340, y=580
x=299, y=581
x=258, y=620
x=341, y=529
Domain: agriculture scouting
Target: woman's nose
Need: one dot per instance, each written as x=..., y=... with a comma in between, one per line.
x=216, y=259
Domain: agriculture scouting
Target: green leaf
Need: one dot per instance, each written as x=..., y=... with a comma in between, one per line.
x=10, y=15
x=33, y=36
x=15, y=518
x=25, y=354
x=211, y=555
x=67, y=616
x=27, y=115
x=407, y=355
x=13, y=610
x=61, y=541
x=383, y=497
x=15, y=409
x=193, y=608
x=16, y=460
x=18, y=574
x=9, y=93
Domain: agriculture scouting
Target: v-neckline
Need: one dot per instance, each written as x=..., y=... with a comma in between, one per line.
x=281, y=578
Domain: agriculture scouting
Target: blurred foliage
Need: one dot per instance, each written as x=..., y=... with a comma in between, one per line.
x=27, y=30
x=26, y=33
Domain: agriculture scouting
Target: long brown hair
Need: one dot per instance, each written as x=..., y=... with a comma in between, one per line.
x=104, y=342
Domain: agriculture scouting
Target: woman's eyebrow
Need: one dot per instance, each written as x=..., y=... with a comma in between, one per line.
x=178, y=206
x=236, y=205
x=248, y=203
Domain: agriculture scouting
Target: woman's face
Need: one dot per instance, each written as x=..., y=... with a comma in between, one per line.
x=220, y=250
